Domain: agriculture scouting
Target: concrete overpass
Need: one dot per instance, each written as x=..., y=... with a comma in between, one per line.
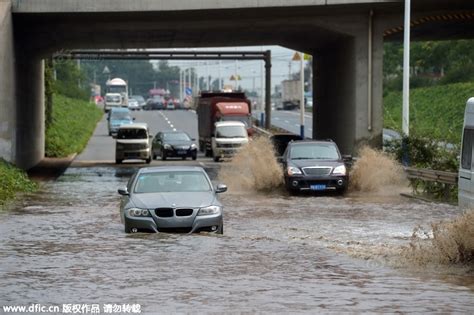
x=345, y=36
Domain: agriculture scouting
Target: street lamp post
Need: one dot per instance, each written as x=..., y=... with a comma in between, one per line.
x=406, y=71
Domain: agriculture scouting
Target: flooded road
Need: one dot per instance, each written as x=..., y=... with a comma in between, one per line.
x=278, y=254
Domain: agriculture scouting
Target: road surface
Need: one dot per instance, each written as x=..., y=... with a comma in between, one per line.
x=65, y=246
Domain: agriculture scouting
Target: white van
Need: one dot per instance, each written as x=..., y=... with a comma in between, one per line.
x=466, y=167
x=228, y=138
x=112, y=100
x=133, y=143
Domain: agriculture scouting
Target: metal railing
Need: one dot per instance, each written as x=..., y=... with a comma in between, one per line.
x=440, y=184
x=450, y=178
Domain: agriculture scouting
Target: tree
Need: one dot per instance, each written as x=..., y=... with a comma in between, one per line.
x=71, y=80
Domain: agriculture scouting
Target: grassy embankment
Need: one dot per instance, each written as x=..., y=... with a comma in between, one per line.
x=12, y=181
x=435, y=112
x=74, y=122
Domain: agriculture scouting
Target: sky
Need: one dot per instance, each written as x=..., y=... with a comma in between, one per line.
x=251, y=72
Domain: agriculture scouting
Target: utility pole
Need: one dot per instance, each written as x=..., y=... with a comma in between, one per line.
x=406, y=72
x=220, y=76
x=268, y=87
x=262, y=85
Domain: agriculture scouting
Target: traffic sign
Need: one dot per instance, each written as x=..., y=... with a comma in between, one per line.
x=296, y=56
x=189, y=91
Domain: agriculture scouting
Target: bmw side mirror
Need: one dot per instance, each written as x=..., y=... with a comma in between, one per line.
x=221, y=188
x=123, y=191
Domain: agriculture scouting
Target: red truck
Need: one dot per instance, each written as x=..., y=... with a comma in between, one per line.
x=213, y=107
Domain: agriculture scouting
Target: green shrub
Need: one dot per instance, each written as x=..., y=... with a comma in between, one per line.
x=73, y=123
x=424, y=153
x=13, y=181
x=427, y=153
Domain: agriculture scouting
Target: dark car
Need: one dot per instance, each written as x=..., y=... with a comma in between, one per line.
x=314, y=166
x=154, y=103
x=174, y=144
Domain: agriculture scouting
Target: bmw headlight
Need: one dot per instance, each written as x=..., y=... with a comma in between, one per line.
x=339, y=170
x=137, y=212
x=211, y=210
x=167, y=146
x=293, y=171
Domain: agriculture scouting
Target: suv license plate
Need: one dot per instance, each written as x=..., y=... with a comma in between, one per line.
x=181, y=152
x=318, y=187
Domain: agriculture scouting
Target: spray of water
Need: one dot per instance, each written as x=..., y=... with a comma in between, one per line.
x=375, y=171
x=446, y=243
x=254, y=168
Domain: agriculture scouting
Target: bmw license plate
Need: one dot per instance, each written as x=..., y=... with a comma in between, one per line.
x=318, y=187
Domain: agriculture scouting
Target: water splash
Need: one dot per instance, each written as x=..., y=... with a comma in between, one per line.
x=446, y=243
x=253, y=168
x=376, y=171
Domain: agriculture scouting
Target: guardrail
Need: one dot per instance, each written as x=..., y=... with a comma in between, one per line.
x=432, y=175
x=438, y=183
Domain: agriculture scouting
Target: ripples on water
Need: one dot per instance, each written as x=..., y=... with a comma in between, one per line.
x=279, y=254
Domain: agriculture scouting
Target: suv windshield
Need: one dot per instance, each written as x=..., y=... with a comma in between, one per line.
x=231, y=132
x=314, y=151
x=129, y=133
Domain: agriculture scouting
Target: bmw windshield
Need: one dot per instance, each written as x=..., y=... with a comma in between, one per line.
x=172, y=182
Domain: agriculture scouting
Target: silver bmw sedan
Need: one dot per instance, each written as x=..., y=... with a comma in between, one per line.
x=171, y=199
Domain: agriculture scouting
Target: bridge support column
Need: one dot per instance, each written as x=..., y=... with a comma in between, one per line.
x=343, y=110
x=30, y=126
x=7, y=84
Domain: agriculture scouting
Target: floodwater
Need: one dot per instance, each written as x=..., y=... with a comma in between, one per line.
x=279, y=254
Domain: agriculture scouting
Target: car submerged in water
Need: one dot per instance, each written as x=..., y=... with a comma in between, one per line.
x=313, y=166
x=171, y=199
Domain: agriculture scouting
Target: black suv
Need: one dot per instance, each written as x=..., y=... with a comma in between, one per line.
x=311, y=165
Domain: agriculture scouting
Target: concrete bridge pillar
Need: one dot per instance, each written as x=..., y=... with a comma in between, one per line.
x=7, y=85
x=343, y=110
x=30, y=126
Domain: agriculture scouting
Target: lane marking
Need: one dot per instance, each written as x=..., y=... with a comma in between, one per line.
x=286, y=121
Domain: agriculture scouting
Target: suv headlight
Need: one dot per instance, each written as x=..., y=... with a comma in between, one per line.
x=339, y=170
x=193, y=146
x=211, y=210
x=293, y=171
x=167, y=146
x=137, y=212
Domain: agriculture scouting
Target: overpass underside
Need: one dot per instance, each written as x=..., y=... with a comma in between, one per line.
x=346, y=42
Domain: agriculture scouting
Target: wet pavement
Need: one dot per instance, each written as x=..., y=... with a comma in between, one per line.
x=278, y=254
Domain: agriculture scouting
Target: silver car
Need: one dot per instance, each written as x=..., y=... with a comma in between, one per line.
x=171, y=199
